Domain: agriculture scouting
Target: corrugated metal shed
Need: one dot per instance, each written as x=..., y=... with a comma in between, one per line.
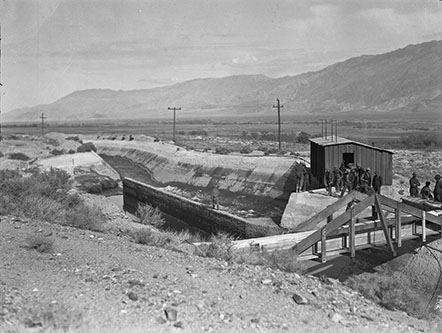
x=328, y=153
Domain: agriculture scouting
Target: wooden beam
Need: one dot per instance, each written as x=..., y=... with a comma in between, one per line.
x=398, y=224
x=352, y=234
x=328, y=211
x=384, y=225
x=408, y=209
x=323, y=245
x=424, y=226
x=315, y=237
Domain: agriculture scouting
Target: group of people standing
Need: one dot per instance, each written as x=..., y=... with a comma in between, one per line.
x=425, y=192
x=350, y=177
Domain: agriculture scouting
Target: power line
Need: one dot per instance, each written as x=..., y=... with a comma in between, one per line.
x=174, y=116
x=279, y=106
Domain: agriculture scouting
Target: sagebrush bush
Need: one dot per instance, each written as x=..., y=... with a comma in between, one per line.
x=42, y=208
x=149, y=215
x=246, y=150
x=74, y=138
x=85, y=217
x=40, y=243
x=222, y=150
x=220, y=247
x=393, y=291
x=147, y=236
x=18, y=156
x=57, y=152
x=86, y=147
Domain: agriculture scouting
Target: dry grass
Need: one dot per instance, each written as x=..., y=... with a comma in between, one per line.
x=149, y=215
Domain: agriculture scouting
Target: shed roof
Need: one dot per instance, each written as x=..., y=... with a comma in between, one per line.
x=340, y=141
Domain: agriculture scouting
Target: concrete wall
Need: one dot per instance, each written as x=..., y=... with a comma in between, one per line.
x=193, y=213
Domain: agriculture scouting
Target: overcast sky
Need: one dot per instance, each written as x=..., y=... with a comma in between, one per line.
x=53, y=47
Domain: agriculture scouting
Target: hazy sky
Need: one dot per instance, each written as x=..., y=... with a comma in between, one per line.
x=53, y=47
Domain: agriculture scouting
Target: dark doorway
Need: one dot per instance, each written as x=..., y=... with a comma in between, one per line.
x=348, y=158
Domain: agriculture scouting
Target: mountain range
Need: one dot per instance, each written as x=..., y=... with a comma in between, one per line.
x=404, y=80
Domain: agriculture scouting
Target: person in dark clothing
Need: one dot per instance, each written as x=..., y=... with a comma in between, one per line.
x=337, y=179
x=426, y=192
x=414, y=185
x=348, y=182
x=328, y=181
x=215, y=197
x=377, y=182
x=437, y=192
x=305, y=178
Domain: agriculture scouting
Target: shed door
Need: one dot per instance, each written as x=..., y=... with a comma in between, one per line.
x=348, y=158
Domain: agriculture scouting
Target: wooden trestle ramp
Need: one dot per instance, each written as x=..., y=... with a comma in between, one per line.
x=348, y=231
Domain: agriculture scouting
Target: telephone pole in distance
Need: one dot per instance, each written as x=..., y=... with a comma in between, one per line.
x=279, y=106
x=42, y=124
x=174, y=117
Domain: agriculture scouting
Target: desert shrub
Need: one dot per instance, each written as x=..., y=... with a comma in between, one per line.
x=149, y=237
x=427, y=140
x=265, y=150
x=246, y=150
x=85, y=217
x=303, y=137
x=50, y=141
x=389, y=290
x=71, y=151
x=199, y=132
x=149, y=215
x=220, y=247
x=86, y=147
x=40, y=243
x=57, y=152
x=41, y=208
x=18, y=156
x=74, y=138
x=1, y=154
x=222, y=150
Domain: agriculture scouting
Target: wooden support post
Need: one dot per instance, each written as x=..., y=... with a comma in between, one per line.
x=374, y=214
x=344, y=244
x=315, y=249
x=398, y=225
x=413, y=228
x=323, y=245
x=352, y=234
x=384, y=225
x=424, y=226
x=329, y=218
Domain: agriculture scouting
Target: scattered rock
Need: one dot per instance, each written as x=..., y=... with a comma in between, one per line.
x=161, y=320
x=299, y=299
x=266, y=281
x=132, y=296
x=171, y=314
x=89, y=279
x=336, y=318
x=136, y=283
x=48, y=234
x=179, y=324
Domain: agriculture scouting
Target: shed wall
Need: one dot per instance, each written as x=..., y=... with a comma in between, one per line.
x=327, y=157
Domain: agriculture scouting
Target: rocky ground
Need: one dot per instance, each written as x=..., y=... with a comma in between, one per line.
x=104, y=282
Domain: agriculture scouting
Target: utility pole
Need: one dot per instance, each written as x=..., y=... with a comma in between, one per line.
x=279, y=121
x=174, y=117
x=1, y=85
x=42, y=124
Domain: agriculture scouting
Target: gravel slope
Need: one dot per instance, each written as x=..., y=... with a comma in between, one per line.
x=103, y=282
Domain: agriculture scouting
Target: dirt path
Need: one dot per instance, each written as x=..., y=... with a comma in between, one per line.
x=104, y=282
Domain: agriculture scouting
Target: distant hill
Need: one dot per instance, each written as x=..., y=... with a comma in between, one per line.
x=405, y=80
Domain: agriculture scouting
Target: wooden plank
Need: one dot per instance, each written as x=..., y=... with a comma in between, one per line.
x=408, y=209
x=323, y=245
x=398, y=224
x=333, y=225
x=384, y=225
x=424, y=227
x=352, y=237
x=329, y=210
